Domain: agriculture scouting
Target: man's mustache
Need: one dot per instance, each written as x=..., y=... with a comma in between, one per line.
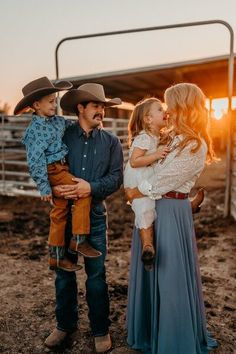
x=98, y=115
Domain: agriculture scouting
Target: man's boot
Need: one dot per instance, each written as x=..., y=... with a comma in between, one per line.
x=197, y=200
x=148, y=251
x=56, y=338
x=103, y=344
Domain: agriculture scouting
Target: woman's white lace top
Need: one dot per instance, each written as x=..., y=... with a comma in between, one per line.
x=178, y=172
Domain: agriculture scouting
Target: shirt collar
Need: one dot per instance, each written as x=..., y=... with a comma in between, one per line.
x=41, y=120
x=81, y=131
x=149, y=133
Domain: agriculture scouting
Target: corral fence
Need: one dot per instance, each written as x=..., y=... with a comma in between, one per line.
x=15, y=179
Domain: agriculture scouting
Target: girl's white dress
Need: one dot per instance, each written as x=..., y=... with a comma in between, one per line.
x=144, y=208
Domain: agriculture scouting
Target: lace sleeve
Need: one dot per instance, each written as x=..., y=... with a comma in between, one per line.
x=173, y=174
x=142, y=141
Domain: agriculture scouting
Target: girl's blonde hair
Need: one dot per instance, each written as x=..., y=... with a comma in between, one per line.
x=189, y=116
x=137, y=120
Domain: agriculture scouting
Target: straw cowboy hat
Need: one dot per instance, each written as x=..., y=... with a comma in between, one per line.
x=38, y=88
x=86, y=93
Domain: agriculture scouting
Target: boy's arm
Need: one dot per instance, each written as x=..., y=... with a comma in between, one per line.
x=35, y=151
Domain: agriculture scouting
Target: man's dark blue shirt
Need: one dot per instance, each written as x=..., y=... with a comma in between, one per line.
x=97, y=158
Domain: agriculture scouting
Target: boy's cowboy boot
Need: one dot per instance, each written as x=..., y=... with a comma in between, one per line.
x=64, y=264
x=56, y=338
x=84, y=248
x=148, y=251
x=103, y=344
x=197, y=200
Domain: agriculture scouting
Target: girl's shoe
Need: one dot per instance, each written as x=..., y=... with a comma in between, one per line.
x=197, y=200
x=148, y=251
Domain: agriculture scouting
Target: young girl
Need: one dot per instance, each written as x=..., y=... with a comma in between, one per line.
x=146, y=121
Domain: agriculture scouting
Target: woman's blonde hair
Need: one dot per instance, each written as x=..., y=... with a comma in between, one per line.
x=137, y=120
x=189, y=116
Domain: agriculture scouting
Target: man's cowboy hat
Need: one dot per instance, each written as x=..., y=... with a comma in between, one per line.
x=38, y=88
x=86, y=93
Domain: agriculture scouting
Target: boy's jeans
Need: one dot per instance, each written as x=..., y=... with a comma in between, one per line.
x=58, y=174
x=96, y=287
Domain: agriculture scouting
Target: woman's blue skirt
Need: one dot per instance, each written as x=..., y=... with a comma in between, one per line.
x=166, y=312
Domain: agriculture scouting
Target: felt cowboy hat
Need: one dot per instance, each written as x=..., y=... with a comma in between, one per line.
x=38, y=88
x=86, y=93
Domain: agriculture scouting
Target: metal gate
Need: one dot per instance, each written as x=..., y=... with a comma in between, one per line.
x=229, y=176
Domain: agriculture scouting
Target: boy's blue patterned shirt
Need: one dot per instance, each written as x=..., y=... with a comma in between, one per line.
x=44, y=145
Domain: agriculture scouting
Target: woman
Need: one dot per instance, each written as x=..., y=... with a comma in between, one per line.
x=165, y=306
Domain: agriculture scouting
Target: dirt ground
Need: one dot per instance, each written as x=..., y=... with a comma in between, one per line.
x=27, y=286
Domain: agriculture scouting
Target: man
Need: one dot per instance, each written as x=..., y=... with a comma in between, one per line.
x=95, y=158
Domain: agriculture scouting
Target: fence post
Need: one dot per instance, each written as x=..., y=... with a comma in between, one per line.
x=114, y=127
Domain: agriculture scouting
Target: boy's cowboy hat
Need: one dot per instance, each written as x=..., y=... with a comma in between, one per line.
x=38, y=88
x=86, y=93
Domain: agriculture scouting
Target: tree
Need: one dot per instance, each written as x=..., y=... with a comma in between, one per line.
x=4, y=108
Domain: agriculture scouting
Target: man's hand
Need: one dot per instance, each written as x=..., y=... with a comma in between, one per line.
x=60, y=189
x=83, y=187
x=80, y=190
x=133, y=193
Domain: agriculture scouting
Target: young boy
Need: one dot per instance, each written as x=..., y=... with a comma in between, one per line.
x=46, y=159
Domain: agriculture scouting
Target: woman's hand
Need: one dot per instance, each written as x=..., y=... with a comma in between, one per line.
x=133, y=193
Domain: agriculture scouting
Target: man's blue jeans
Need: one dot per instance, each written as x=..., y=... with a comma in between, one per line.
x=96, y=286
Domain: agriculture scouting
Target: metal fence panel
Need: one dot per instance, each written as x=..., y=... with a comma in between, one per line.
x=15, y=179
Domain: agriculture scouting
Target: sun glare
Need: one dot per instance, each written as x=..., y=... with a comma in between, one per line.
x=219, y=107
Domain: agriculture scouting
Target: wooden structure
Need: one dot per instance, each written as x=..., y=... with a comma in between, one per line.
x=132, y=85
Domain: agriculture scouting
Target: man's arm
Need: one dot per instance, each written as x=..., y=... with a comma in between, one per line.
x=101, y=187
x=111, y=182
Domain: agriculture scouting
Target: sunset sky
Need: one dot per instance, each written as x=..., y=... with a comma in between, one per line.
x=31, y=29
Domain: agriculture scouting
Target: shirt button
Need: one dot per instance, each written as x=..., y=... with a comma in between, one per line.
x=86, y=142
x=83, y=168
x=84, y=155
